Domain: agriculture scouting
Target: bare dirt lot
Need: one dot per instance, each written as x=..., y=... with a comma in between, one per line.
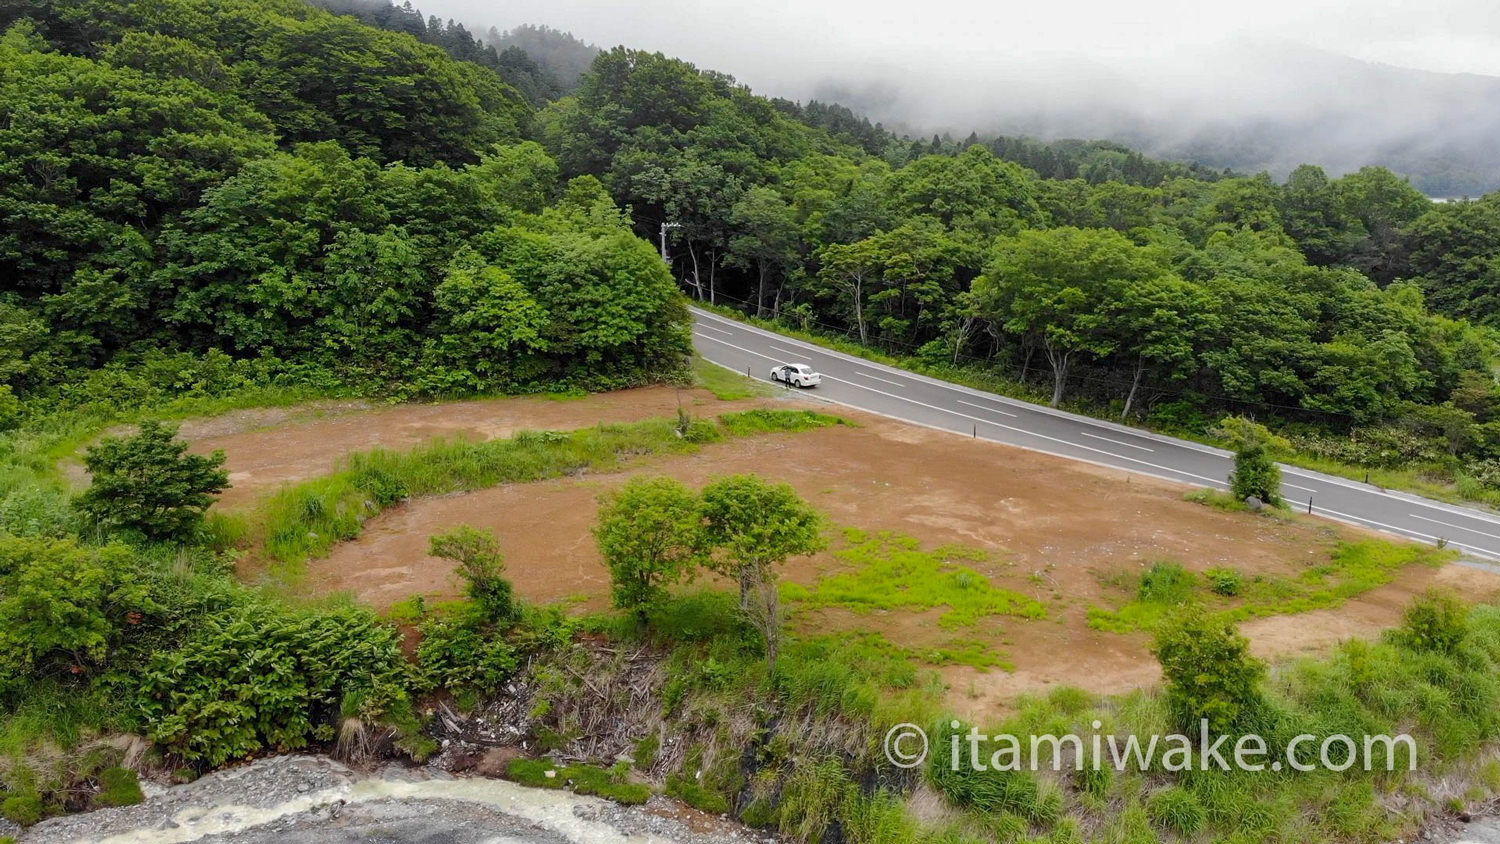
x=1051, y=529
x=273, y=446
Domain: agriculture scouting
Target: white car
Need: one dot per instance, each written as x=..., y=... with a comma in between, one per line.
x=796, y=375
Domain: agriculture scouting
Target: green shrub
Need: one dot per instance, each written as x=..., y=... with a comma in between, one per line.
x=458, y=653
x=37, y=511
x=64, y=605
x=1256, y=474
x=1435, y=621
x=879, y=818
x=258, y=675
x=988, y=791
x=1255, y=470
x=1167, y=583
x=10, y=408
x=702, y=431
x=1176, y=810
x=812, y=796
x=1225, y=581
x=649, y=533
x=482, y=568
x=1208, y=669
x=149, y=483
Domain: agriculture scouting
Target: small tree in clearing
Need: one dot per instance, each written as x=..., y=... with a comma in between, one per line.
x=149, y=483
x=649, y=533
x=481, y=565
x=1255, y=470
x=753, y=526
x=1208, y=668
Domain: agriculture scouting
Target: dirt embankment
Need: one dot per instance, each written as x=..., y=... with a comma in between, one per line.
x=1052, y=529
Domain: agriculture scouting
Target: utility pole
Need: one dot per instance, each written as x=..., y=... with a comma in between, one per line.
x=664, y=227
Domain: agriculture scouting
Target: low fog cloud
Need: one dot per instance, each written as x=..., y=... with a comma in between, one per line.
x=1341, y=80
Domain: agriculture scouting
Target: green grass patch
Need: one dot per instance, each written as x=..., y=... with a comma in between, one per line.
x=975, y=653
x=119, y=787
x=892, y=572
x=1218, y=499
x=727, y=385
x=693, y=793
x=767, y=421
x=611, y=784
x=306, y=520
x=1352, y=569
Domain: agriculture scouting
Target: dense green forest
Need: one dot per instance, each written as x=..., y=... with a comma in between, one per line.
x=215, y=203
x=367, y=211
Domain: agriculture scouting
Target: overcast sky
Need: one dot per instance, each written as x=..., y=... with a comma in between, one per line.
x=775, y=43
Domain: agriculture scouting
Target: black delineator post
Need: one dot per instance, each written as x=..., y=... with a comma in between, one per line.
x=1309, y=505
x=976, y=430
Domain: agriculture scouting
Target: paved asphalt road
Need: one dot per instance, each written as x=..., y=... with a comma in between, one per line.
x=927, y=401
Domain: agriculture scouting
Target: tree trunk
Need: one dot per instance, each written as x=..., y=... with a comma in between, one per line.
x=745, y=589
x=1135, y=383
x=697, y=280
x=1059, y=361
x=965, y=325
x=859, y=311
x=713, y=265
x=1026, y=363
x=760, y=293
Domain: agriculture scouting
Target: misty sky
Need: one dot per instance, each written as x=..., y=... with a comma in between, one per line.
x=777, y=45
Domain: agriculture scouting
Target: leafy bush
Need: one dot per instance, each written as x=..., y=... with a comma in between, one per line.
x=1256, y=474
x=1208, y=669
x=10, y=408
x=458, y=654
x=149, y=483
x=1435, y=621
x=37, y=511
x=989, y=791
x=258, y=675
x=482, y=568
x=1255, y=470
x=1166, y=583
x=1224, y=581
x=649, y=534
x=65, y=603
x=701, y=431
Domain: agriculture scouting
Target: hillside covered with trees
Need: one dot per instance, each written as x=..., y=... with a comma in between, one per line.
x=217, y=204
x=397, y=212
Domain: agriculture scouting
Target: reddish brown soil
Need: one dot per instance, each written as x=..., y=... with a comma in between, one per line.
x=1053, y=529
